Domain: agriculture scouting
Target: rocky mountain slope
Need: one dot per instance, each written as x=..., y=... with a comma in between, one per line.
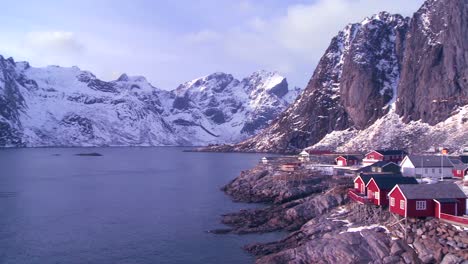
x=57, y=106
x=383, y=69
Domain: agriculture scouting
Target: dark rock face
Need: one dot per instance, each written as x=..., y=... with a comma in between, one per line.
x=351, y=86
x=372, y=68
x=434, y=79
x=417, y=68
x=11, y=104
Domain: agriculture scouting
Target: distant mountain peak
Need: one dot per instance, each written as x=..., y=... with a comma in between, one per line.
x=58, y=106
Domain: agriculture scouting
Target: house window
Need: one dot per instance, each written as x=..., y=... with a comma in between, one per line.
x=402, y=204
x=376, y=195
x=458, y=171
x=420, y=205
x=392, y=201
x=356, y=185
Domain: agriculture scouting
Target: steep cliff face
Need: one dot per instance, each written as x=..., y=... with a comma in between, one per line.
x=372, y=68
x=386, y=82
x=11, y=102
x=434, y=79
x=353, y=85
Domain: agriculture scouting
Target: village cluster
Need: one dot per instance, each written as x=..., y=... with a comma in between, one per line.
x=426, y=185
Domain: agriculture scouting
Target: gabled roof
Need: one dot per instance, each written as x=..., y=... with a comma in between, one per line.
x=348, y=157
x=430, y=161
x=460, y=166
x=387, y=183
x=431, y=191
x=391, y=152
x=383, y=163
x=368, y=176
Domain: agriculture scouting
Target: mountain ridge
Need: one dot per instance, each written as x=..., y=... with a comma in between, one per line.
x=58, y=106
x=386, y=65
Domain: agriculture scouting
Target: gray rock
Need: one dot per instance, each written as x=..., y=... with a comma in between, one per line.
x=451, y=259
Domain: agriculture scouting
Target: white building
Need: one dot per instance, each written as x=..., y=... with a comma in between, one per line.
x=431, y=166
x=304, y=156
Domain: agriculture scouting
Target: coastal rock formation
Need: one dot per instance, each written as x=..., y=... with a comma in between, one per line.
x=56, y=106
x=326, y=228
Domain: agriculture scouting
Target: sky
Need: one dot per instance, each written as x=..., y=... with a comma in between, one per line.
x=171, y=42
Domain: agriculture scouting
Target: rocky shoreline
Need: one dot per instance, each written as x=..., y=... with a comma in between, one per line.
x=326, y=228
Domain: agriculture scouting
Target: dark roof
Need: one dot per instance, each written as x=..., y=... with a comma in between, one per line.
x=447, y=200
x=455, y=160
x=365, y=169
x=464, y=158
x=460, y=166
x=349, y=157
x=367, y=176
x=387, y=183
x=391, y=152
x=430, y=161
x=383, y=163
x=432, y=191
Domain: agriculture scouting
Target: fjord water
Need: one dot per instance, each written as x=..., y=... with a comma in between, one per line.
x=131, y=205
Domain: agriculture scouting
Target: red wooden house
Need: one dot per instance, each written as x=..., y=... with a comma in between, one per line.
x=361, y=181
x=374, y=156
x=347, y=160
x=378, y=188
x=459, y=168
x=423, y=200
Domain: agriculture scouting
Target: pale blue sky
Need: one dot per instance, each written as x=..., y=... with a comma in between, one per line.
x=171, y=42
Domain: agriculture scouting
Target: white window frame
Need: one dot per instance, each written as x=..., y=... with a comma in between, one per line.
x=377, y=195
x=356, y=185
x=392, y=201
x=402, y=204
x=421, y=205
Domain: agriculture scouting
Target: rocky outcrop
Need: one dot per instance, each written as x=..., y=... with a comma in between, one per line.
x=325, y=228
x=415, y=69
x=265, y=184
x=11, y=103
x=434, y=79
x=352, y=86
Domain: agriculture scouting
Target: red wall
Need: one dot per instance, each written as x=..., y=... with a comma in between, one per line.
x=374, y=155
x=372, y=187
x=449, y=208
x=412, y=212
x=398, y=197
x=461, y=206
x=361, y=185
x=458, y=175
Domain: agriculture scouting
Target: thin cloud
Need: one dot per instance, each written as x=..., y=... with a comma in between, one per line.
x=54, y=43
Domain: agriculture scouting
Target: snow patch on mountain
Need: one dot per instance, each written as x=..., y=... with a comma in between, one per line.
x=57, y=106
x=390, y=132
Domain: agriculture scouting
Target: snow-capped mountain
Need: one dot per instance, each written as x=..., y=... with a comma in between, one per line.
x=56, y=106
x=386, y=82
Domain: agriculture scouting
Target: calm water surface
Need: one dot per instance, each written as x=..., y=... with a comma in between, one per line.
x=132, y=205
